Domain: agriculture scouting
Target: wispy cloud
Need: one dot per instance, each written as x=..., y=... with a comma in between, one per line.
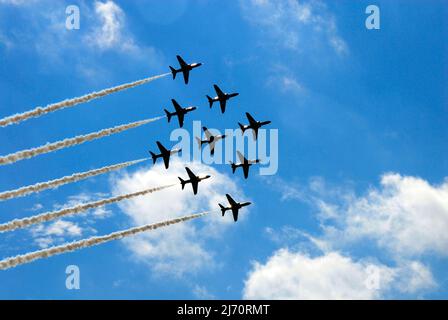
x=103, y=30
x=58, y=231
x=294, y=25
x=110, y=31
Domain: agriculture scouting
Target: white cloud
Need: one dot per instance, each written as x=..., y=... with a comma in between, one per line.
x=406, y=215
x=103, y=30
x=180, y=248
x=296, y=275
x=289, y=275
x=294, y=24
x=62, y=230
x=46, y=235
x=110, y=32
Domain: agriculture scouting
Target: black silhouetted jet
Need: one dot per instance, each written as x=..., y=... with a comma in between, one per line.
x=185, y=68
x=222, y=97
x=244, y=163
x=210, y=139
x=194, y=180
x=253, y=124
x=234, y=206
x=165, y=154
x=180, y=112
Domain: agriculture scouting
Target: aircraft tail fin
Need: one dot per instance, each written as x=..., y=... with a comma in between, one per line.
x=182, y=182
x=173, y=71
x=233, y=166
x=199, y=142
x=241, y=127
x=223, y=209
x=153, y=156
x=168, y=114
x=210, y=100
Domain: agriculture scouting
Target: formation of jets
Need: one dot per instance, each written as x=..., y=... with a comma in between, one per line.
x=210, y=139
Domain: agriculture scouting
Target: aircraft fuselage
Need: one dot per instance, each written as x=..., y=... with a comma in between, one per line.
x=189, y=67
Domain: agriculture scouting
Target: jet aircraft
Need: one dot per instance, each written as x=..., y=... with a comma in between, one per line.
x=179, y=112
x=185, y=68
x=222, y=97
x=210, y=139
x=234, y=207
x=253, y=124
x=193, y=179
x=165, y=154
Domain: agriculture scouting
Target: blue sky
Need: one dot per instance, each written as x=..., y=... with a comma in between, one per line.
x=361, y=117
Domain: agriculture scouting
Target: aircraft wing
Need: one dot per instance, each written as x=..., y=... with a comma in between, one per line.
x=241, y=157
x=177, y=106
x=186, y=74
x=252, y=121
x=166, y=159
x=235, y=214
x=223, y=104
x=194, y=184
x=180, y=117
x=161, y=148
x=207, y=133
x=220, y=94
x=231, y=201
x=181, y=62
x=246, y=171
x=191, y=175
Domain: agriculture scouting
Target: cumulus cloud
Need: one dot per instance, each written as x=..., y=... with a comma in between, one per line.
x=294, y=24
x=296, y=275
x=290, y=275
x=405, y=215
x=181, y=248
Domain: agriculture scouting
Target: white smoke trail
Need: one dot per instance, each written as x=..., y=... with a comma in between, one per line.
x=38, y=187
x=50, y=147
x=39, y=111
x=48, y=216
x=76, y=245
